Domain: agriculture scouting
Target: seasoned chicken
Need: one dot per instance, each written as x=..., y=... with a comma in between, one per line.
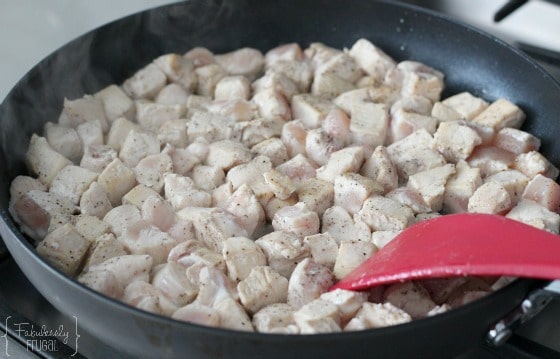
x=207, y=78
x=430, y=184
x=381, y=169
x=138, y=195
x=460, y=187
x=323, y=248
x=410, y=297
x=274, y=149
x=298, y=169
x=501, y=113
x=197, y=313
x=283, y=251
x=81, y=110
x=172, y=94
x=533, y=163
x=172, y=281
x=121, y=217
x=215, y=287
x=371, y=59
x=116, y=180
x=297, y=219
x=544, y=191
x=307, y=282
x=294, y=136
x=102, y=281
x=376, y=315
x=349, y=159
x=285, y=52
x=145, y=83
x=534, y=214
x=227, y=154
x=383, y=214
x=245, y=61
x=120, y=128
x=215, y=227
x=173, y=132
x=455, y=141
x=65, y=249
x=352, y=189
x=369, y=125
x=152, y=115
x=141, y=237
x=410, y=197
x=262, y=287
x=64, y=140
x=516, y=141
x=316, y=194
x=351, y=254
x=490, y=160
x=145, y=296
x=158, y=212
x=310, y=110
x=241, y=256
x=178, y=69
x=277, y=318
x=102, y=248
x=403, y=123
x=272, y=103
x=208, y=177
x=191, y=253
x=466, y=105
x=116, y=103
x=232, y=88
x=71, y=182
x=348, y=302
x=233, y=315
x=43, y=161
x=318, y=316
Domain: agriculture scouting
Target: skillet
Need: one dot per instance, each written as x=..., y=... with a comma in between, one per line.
x=471, y=60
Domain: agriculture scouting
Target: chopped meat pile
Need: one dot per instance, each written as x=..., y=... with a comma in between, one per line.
x=233, y=190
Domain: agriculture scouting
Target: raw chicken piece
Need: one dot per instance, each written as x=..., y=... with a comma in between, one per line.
x=236, y=110
x=283, y=251
x=445, y=113
x=490, y=160
x=286, y=52
x=501, y=113
x=455, y=141
x=158, y=212
x=536, y=215
x=533, y=163
x=71, y=182
x=329, y=85
x=120, y=128
x=200, y=56
x=97, y=157
x=241, y=255
x=116, y=103
x=233, y=316
x=215, y=286
x=116, y=179
x=318, y=316
x=121, y=217
x=275, y=204
x=182, y=230
x=347, y=301
x=172, y=281
x=145, y=83
x=341, y=65
x=412, y=104
x=351, y=254
x=300, y=72
x=172, y=94
x=319, y=145
x=376, y=315
x=260, y=129
x=298, y=169
x=294, y=138
x=249, y=173
x=103, y=248
x=150, y=170
x=308, y=281
x=215, y=227
x=371, y=59
x=516, y=141
x=143, y=295
x=513, y=181
x=245, y=61
x=466, y=105
x=272, y=103
x=410, y=297
x=233, y=88
x=297, y=219
x=173, y=132
x=194, y=253
x=95, y=202
x=208, y=177
x=178, y=69
x=138, y=195
x=65, y=249
x=85, y=109
x=311, y=110
x=460, y=187
x=262, y=287
x=319, y=53
x=277, y=318
x=403, y=123
x=381, y=169
x=43, y=161
x=349, y=159
x=213, y=127
x=338, y=223
x=90, y=133
x=323, y=247
x=430, y=184
x=137, y=145
x=415, y=78
x=102, y=281
x=316, y=194
x=352, y=98
x=183, y=159
x=409, y=197
x=151, y=115
x=208, y=76
x=385, y=214
x=126, y=268
x=545, y=191
x=369, y=125
x=64, y=140
x=141, y=237
x=352, y=189
x=226, y=154
x=278, y=82
x=197, y=313
x=244, y=205
x=90, y=227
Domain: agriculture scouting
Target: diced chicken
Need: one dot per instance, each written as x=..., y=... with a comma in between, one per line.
x=466, y=105
x=430, y=184
x=271, y=103
x=277, y=318
x=245, y=61
x=116, y=103
x=213, y=127
x=330, y=85
x=200, y=56
x=501, y=113
x=382, y=238
x=319, y=53
x=419, y=79
x=404, y=123
x=178, y=69
x=371, y=59
x=455, y=141
x=138, y=195
x=90, y=227
x=172, y=94
x=249, y=173
x=23, y=184
x=197, y=313
x=102, y=281
x=208, y=177
x=352, y=189
x=244, y=205
x=440, y=289
x=262, y=287
x=141, y=237
x=375, y=315
x=283, y=251
x=298, y=169
x=182, y=230
x=286, y=52
x=294, y=138
x=158, y=212
x=341, y=65
x=121, y=217
x=146, y=82
x=513, y=181
x=385, y=214
x=215, y=227
x=233, y=315
x=316, y=194
x=150, y=170
x=369, y=125
x=64, y=140
x=308, y=281
x=208, y=76
x=276, y=81
x=412, y=104
x=536, y=215
x=318, y=316
x=410, y=297
x=137, y=145
x=215, y=286
x=280, y=184
x=120, y=128
x=90, y=133
x=300, y=72
x=94, y=201
x=381, y=169
x=297, y=219
x=172, y=281
x=97, y=157
x=445, y=113
x=145, y=296
x=85, y=109
x=349, y=159
x=226, y=154
x=65, y=249
x=339, y=224
x=410, y=197
x=71, y=182
x=43, y=161
x=182, y=158
x=104, y=247
x=237, y=110
x=347, y=301
x=194, y=253
x=319, y=145
x=275, y=204
x=151, y=115
x=545, y=191
x=310, y=110
x=352, y=98
x=516, y=141
x=126, y=268
x=116, y=180
x=241, y=256
x=351, y=254
x=323, y=247
x=490, y=160
x=261, y=129
x=232, y=88
x=460, y=187
x=173, y=132
x=533, y=163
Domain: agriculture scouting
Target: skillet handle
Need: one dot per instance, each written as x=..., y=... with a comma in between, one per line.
x=531, y=306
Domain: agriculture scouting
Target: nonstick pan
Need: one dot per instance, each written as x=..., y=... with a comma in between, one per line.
x=471, y=60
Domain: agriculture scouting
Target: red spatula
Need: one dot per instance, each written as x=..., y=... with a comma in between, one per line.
x=457, y=245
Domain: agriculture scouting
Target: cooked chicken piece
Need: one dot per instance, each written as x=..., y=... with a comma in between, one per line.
x=200, y=56
x=341, y=65
x=298, y=169
x=43, y=161
x=197, y=313
x=385, y=214
x=490, y=160
x=410, y=297
x=236, y=109
x=215, y=227
x=116, y=103
x=33, y=211
x=297, y=219
x=226, y=154
x=352, y=189
x=104, y=247
x=173, y=132
x=545, y=191
x=137, y=145
x=455, y=141
x=382, y=238
x=97, y=157
x=460, y=187
x=244, y=205
x=172, y=94
x=417, y=78
x=102, y=281
x=21, y=185
x=409, y=197
x=215, y=286
x=351, y=254
x=241, y=255
x=90, y=133
x=126, y=268
x=280, y=184
x=339, y=224
x=182, y=230
x=178, y=69
x=64, y=140
x=233, y=88
x=294, y=138
x=319, y=53
x=273, y=148
x=274, y=204
x=516, y=141
x=72, y=181
x=414, y=154
x=278, y=82
x=208, y=177
x=283, y=251
x=260, y=129
x=158, y=212
x=183, y=159
x=347, y=301
x=300, y=72
x=318, y=316
x=440, y=289
x=513, y=181
x=466, y=105
x=352, y=98
x=150, y=170
x=501, y=113
x=371, y=59
x=262, y=287
x=85, y=109
x=286, y=52
x=192, y=253
x=208, y=76
x=151, y=115
x=277, y=318
x=337, y=125
x=533, y=163
x=536, y=215
x=323, y=247
x=145, y=296
x=316, y=194
x=376, y=315
x=245, y=61
x=249, y=173
x=90, y=227
x=430, y=184
x=213, y=127
x=271, y=103
x=116, y=179
x=329, y=85
x=121, y=217
x=65, y=249
x=172, y=281
x=381, y=169
x=404, y=123
x=369, y=125
x=310, y=110
x=412, y=104
x=308, y=281
x=319, y=145
x=141, y=237
x=145, y=83
x=95, y=202
x=120, y=128
x=349, y=159
x=181, y=192
x=445, y=113
x=138, y=195
x=233, y=315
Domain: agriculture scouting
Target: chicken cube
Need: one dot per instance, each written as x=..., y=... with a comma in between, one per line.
x=173, y=282
x=492, y=198
x=280, y=184
x=120, y=128
x=513, y=181
x=232, y=88
x=90, y=227
x=246, y=61
x=241, y=255
x=151, y=115
x=172, y=94
x=410, y=197
x=126, y=268
x=90, y=133
x=490, y=160
x=274, y=204
x=375, y=315
x=352, y=98
x=430, y=184
x=285, y=52
x=158, y=212
x=215, y=227
x=308, y=281
x=65, y=249
x=371, y=59
x=445, y=113
x=81, y=110
x=347, y=301
x=501, y=113
x=273, y=148
x=283, y=251
x=369, y=125
x=403, y=123
x=381, y=169
x=138, y=195
x=533, y=163
x=192, y=253
x=316, y=194
x=516, y=141
x=323, y=248
x=382, y=238
x=137, y=145
x=145, y=296
x=276, y=318
x=455, y=141
x=72, y=181
x=351, y=254
x=213, y=127
x=460, y=187
x=145, y=83
x=348, y=159
x=197, y=313
x=423, y=83
x=466, y=105
x=311, y=110
x=412, y=104
x=440, y=289
x=352, y=189
x=173, y=132
x=226, y=154
x=534, y=214
x=385, y=214
x=116, y=179
x=298, y=169
x=261, y=129
x=245, y=206
x=141, y=237
x=271, y=103
x=178, y=69
x=318, y=316
x=262, y=287
x=104, y=247
x=102, y=281
x=208, y=76
x=233, y=315
x=339, y=224
x=121, y=217
x=410, y=297
x=300, y=72
x=64, y=140
x=297, y=219
x=329, y=85
x=545, y=191
x=116, y=103
x=43, y=161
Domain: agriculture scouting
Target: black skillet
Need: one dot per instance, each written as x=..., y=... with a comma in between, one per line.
x=472, y=61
